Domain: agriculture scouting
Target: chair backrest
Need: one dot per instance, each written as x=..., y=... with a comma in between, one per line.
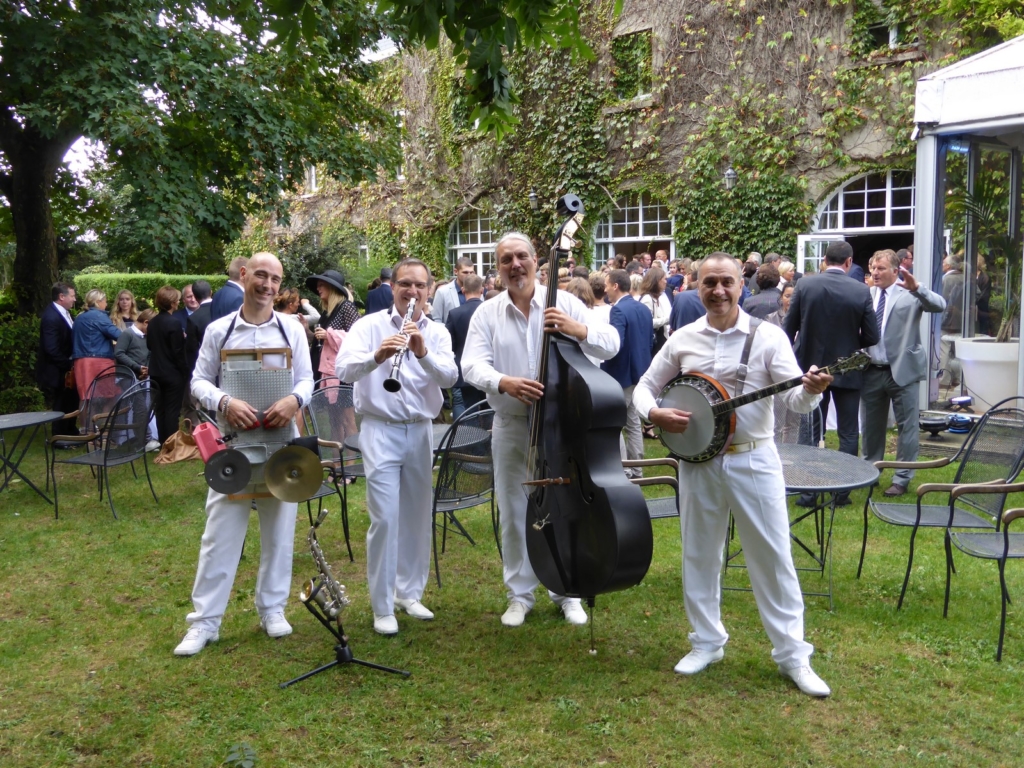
x=993, y=451
x=794, y=428
x=103, y=393
x=465, y=471
x=127, y=424
x=330, y=413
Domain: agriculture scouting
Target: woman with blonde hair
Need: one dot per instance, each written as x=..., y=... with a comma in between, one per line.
x=124, y=312
x=653, y=297
x=92, y=338
x=339, y=315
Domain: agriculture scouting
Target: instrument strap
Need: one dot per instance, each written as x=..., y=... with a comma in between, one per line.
x=231, y=329
x=741, y=371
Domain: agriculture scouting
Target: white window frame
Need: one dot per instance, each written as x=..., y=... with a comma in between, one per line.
x=605, y=241
x=481, y=251
x=838, y=197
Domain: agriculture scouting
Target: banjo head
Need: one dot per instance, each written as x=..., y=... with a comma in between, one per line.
x=706, y=435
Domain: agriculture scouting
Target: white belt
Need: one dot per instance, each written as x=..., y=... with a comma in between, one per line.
x=394, y=421
x=744, y=447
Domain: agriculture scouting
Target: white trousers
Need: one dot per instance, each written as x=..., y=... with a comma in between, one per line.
x=399, y=494
x=510, y=439
x=751, y=484
x=226, y=523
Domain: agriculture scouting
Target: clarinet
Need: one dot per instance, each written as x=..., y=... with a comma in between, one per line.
x=391, y=383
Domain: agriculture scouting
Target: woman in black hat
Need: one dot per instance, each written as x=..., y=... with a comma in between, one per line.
x=339, y=314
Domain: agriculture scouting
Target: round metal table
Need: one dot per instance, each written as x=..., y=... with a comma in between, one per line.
x=11, y=459
x=825, y=474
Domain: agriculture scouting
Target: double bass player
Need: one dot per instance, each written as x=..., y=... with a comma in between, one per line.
x=501, y=358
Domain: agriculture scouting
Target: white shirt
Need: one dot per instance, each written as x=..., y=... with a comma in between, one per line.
x=660, y=309
x=877, y=352
x=65, y=314
x=699, y=348
x=502, y=341
x=249, y=336
x=422, y=379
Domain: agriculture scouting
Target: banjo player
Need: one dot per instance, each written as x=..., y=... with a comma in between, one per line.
x=746, y=478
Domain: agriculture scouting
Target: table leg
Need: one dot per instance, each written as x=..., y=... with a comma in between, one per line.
x=11, y=467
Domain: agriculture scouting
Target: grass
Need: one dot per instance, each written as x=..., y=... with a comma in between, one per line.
x=91, y=609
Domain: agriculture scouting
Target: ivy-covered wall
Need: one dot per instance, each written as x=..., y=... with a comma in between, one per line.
x=795, y=96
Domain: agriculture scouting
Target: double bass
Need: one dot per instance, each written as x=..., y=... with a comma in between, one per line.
x=588, y=531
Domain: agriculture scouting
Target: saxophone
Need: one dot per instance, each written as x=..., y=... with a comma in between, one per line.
x=324, y=590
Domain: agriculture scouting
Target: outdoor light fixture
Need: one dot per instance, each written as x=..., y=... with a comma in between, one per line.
x=730, y=178
x=534, y=203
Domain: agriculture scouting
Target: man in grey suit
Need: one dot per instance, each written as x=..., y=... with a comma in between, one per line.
x=898, y=363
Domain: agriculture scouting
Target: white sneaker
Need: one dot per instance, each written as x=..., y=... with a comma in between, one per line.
x=414, y=608
x=515, y=615
x=152, y=445
x=574, y=612
x=195, y=640
x=806, y=680
x=385, y=625
x=697, y=661
x=276, y=625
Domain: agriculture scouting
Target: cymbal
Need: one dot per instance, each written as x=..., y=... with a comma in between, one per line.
x=293, y=473
x=228, y=471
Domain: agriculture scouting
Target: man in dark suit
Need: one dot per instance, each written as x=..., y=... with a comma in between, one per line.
x=831, y=316
x=458, y=326
x=229, y=298
x=189, y=305
x=198, y=320
x=54, y=359
x=898, y=363
x=686, y=305
x=635, y=326
x=381, y=297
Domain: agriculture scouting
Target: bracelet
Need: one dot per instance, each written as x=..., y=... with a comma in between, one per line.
x=224, y=404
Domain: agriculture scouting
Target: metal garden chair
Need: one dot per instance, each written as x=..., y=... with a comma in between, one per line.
x=991, y=455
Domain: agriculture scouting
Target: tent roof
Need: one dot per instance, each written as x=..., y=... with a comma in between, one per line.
x=983, y=94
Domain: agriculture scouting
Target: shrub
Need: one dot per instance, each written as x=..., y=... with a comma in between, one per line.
x=143, y=285
x=19, y=343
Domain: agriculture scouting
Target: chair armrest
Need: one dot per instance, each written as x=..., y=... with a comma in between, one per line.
x=953, y=487
x=995, y=486
x=329, y=444
x=1012, y=514
x=73, y=414
x=667, y=461
x=77, y=438
x=663, y=480
x=913, y=464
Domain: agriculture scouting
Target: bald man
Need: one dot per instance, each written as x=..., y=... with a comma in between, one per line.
x=254, y=325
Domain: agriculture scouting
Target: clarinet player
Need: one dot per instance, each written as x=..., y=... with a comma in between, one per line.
x=395, y=439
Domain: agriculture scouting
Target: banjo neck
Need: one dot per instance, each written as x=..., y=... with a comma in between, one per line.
x=855, y=362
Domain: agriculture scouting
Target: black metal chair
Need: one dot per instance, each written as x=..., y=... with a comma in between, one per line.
x=992, y=454
x=465, y=476
x=124, y=441
x=330, y=415
x=92, y=412
x=659, y=507
x=999, y=546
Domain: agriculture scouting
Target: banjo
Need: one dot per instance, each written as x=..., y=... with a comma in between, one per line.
x=713, y=412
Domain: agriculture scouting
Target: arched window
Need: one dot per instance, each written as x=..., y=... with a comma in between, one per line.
x=472, y=236
x=872, y=201
x=636, y=224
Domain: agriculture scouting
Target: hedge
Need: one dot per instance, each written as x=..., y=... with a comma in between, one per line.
x=142, y=284
x=19, y=343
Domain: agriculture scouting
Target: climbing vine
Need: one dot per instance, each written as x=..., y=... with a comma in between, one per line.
x=793, y=96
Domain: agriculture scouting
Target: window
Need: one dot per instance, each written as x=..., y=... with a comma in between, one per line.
x=631, y=65
x=637, y=223
x=472, y=236
x=872, y=201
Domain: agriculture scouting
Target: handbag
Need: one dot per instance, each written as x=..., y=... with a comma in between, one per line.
x=180, y=446
x=69, y=379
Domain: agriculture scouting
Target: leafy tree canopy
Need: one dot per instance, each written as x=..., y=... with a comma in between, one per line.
x=203, y=117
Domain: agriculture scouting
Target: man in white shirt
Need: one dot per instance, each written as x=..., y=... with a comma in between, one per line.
x=395, y=440
x=254, y=326
x=500, y=357
x=747, y=478
x=898, y=363
x=450, y=296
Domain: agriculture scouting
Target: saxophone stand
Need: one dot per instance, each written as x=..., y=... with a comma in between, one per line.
x=342, y=651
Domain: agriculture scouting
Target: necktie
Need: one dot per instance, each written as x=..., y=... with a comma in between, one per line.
x=880, y=310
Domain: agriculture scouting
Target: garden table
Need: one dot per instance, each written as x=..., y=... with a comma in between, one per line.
x=9, y=456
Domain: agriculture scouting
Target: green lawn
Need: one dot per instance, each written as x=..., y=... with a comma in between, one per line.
x=92, y=608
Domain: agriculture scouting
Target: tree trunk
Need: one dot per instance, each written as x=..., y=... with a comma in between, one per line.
x=33, y=162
